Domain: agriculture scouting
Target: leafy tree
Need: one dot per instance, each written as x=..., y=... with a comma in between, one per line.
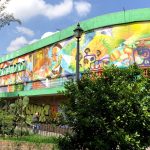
x=108, y=112
x=6, y=119
x=6, y=123
x=5, y=17
x=18, y=110
x=13, y=115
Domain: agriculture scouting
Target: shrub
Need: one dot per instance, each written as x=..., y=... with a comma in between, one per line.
x=13, y=115
x=108, y=112
x=6, y=123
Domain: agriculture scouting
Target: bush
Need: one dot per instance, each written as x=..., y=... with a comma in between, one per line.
x=6, y=123
x=108, y=112
x=12, y=115
x=18, y=131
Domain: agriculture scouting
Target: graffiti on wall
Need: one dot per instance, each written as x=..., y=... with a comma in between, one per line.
x=46, y=112
x=120, y=45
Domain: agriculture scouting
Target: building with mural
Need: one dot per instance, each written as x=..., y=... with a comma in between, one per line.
x=39, y=70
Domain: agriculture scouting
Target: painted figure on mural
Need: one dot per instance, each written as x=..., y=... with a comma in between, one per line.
x=29, y=66
x=68, y=54
x=38, y=62
x=41, y=63
x=26, y=75
x=19, y=77
x=56, y=58
x=142, y=51
x=94, y=53
x=46, y=64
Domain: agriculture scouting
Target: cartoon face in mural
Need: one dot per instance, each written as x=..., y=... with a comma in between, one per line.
x=95, y=53
x=142, y=52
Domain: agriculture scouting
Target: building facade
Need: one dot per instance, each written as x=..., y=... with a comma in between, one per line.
x=39, y=70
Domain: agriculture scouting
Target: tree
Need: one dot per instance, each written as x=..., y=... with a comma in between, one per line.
x=6, y=118
x=6, y=123
x=5, y=17
x=18, y=110
x=12, y=115
x=108, y=112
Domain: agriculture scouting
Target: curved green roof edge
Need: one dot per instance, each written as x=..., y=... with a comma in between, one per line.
x=97, y=22
x=44, y=91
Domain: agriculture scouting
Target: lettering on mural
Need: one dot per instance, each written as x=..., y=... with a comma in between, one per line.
x=44, y=111
x=13, y=68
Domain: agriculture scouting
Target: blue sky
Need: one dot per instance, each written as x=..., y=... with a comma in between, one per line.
x=45, y=17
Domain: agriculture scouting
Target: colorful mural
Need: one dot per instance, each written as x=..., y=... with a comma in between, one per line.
x=120, y=45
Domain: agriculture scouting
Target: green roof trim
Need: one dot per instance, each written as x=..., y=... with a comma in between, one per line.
x=97, y=22
x=46, y=91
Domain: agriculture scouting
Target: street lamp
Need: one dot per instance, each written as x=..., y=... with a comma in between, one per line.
x=78, y=33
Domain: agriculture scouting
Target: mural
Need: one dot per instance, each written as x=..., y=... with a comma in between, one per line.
x=120, y=45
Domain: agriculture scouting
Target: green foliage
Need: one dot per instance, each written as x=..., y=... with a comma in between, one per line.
x=13, y=118
x=6, y=119
x=66, y=142
x=18, y=109
x=6, y=123
x=5, y=17
x=32, y=138
x=21, y=131
x=37, y=140
x=108, y=112
x=4, y=104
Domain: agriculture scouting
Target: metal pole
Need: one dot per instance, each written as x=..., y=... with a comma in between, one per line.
x=77, y=60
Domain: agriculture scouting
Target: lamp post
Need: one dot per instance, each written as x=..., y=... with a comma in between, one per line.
x=77, y=33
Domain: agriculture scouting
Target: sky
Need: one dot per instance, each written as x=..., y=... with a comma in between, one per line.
x=41, y=18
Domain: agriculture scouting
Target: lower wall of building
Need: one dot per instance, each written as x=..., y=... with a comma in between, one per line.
x=48, y=107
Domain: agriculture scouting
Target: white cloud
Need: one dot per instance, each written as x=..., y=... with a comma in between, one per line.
x=33, y=41
x=20, y=42
x=17, y=43
x=46, y=34
x=24, y=10
x=82, y=8
x=59, y=10
x=25, y=31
